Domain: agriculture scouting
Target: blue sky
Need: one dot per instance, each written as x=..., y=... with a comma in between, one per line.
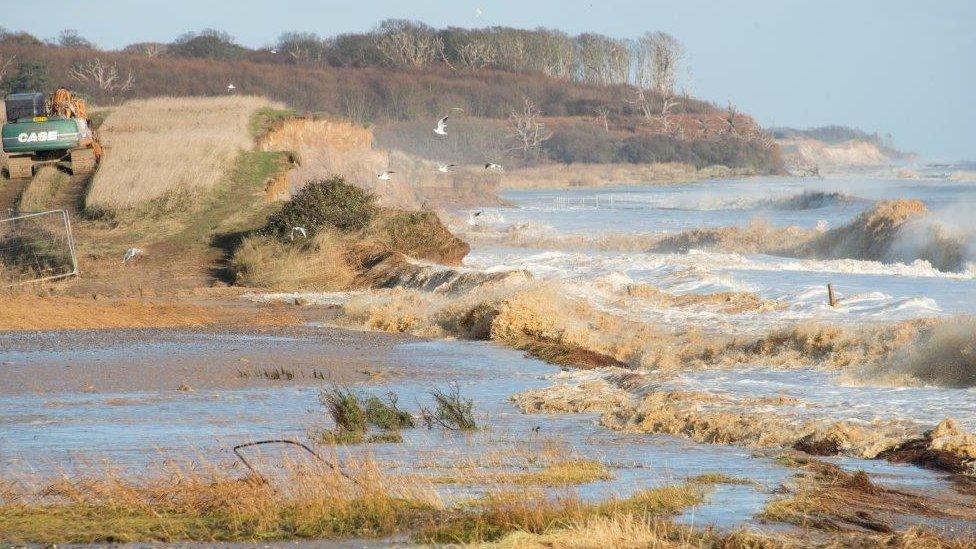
x=901, y=66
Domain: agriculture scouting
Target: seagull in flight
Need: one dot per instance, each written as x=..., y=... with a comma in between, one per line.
x=444, y=168
x=131, y=254
x=299, y=230
x=478, y=12
x=471, y=218
x=231, y=88
x=441, y=128
x=493, y=166
x=385, y=176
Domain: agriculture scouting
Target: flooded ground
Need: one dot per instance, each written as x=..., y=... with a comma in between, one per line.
x=54, y=433
x=136, y=400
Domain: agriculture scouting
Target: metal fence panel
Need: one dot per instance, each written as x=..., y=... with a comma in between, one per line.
x=35, y=247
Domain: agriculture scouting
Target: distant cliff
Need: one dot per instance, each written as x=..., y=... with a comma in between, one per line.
x=834, y=148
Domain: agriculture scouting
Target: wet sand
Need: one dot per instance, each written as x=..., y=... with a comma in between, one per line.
x=129, y=360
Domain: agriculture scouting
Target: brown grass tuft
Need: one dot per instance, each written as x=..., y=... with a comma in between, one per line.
x=319, y=265
x=40, y=193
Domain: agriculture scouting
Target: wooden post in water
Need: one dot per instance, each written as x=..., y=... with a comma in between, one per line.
x=830, y=295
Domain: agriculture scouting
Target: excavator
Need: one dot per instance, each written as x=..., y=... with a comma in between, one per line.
x=50, y=130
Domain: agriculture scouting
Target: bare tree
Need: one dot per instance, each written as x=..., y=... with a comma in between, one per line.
x=527, y=129
x=666, y=56
x=657, y=64
x=511, y=49
x=102, y=76
x=6, y=63
x=407, y=44
x=603, y=113
x=476, y=54
x=153, y=50
x=730, y=113
x=150, y=50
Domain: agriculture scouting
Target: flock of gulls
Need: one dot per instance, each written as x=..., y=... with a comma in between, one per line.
x=440, y=129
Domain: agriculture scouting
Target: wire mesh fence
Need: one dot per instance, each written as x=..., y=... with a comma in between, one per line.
x=35, y=247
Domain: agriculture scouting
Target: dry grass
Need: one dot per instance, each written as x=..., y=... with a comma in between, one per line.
x=169, y=147
x=502, y=513
x=318, y=265
x=310, y=501
x=66, y=313
x=42, y=189
x=636, y=531
x=560, y=472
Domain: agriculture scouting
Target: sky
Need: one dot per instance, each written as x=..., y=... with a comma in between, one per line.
x=904, y=67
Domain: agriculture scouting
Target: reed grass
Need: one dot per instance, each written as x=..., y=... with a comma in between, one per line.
x=165, y=146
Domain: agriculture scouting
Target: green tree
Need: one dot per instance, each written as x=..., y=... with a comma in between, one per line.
x=209, y=43
x=30, y=76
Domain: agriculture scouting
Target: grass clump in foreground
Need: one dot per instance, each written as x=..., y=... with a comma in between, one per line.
x=503, y=513
x=308, y=502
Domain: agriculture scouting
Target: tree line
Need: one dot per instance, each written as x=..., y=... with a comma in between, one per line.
x=653, y=60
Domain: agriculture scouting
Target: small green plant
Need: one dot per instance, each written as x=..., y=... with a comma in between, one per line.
x=338, y=437
x=452, y=412
x=386, y=414
x=268, y=118
x=273, y=374
x=329, y=203
x=346, y=409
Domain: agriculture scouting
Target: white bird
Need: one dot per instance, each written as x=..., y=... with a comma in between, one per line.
x=231, y=88
x=131, y=254
x=493, y=166
x=444, y=168
x=478, y=12
x=299, y=230
x=441, y=128
x=385, y=176
x=471, y=218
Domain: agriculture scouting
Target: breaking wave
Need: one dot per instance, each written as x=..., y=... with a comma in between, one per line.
x=805, y=200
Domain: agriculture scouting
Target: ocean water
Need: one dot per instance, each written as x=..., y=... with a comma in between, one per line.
x=868, y=290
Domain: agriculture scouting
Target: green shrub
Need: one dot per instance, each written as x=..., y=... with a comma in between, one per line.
x=346, y=409
x=266, y=119
x=452, y=412
x=386, y=414
x=329, y=203
x=580, y=142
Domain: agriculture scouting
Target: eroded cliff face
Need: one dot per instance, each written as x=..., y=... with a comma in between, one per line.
x=804, y=155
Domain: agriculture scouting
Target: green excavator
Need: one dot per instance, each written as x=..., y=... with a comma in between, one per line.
x=40, y=132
